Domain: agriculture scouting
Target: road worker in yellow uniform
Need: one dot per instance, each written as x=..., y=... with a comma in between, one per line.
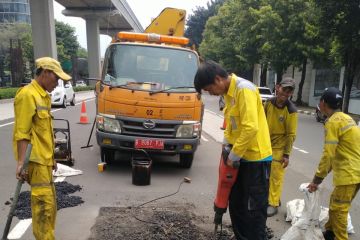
x=281, y=115
x=247, y=140
x=341, y=155
x=33, y=124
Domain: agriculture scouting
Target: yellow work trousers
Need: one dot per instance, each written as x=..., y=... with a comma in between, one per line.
x=276, y=178
x=340, y=202
x=43, y=201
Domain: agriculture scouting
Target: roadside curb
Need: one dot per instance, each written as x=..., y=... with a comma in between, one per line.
x=8, y=100
x=306, y=112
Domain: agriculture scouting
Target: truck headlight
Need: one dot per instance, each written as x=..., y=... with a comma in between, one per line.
x=109, y=124
x=188, y=130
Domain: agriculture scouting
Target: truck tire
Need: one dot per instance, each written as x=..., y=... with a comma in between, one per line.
x=107, y=155
x=186, y=160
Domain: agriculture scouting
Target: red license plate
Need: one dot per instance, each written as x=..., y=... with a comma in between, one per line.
x=149, y=143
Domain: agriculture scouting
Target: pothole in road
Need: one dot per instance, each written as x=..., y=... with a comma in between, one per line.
x=154, y=223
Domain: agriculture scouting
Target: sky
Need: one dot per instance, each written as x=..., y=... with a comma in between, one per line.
x=144, y=10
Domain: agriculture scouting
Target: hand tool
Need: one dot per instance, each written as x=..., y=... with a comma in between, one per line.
x=17, y=192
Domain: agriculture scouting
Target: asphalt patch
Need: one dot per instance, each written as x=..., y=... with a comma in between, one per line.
x=154, y=223
x=63, y=189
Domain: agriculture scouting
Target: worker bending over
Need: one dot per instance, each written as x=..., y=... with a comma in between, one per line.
x=341, y=155
x=247, y=137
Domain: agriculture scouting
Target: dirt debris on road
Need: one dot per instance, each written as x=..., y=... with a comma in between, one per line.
x=154, y=223
x=157, y=223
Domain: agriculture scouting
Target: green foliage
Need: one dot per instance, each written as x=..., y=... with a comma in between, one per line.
x=6, y=93
x=22, y=32
x=67, y=44
x=278, y=33
x=196, y=22
x=82, y=53
x=228, y=36
x=66, y=41
x=340, y=24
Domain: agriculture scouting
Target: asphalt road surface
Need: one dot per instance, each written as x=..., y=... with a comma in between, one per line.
x=113, y=187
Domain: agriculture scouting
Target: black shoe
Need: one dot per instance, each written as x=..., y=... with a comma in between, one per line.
x=329, y=235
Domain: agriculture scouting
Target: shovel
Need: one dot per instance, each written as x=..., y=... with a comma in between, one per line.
x=16, y=195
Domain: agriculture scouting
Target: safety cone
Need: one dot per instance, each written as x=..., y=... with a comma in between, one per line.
x=83, y=116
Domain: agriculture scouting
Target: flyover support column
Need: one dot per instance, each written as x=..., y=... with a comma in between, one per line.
x=93, y=46
x=43, y=28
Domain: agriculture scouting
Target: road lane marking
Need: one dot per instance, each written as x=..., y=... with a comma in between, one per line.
x=204, y=138
x=3, y=125
x=20, y=228
x=303, y=151
x=300, y=150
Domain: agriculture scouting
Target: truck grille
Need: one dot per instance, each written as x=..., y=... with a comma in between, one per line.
x=162, y=129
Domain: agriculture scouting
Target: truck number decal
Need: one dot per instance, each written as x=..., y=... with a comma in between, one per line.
x=149, y=112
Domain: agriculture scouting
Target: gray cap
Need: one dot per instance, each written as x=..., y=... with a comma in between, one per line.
x=288, y=82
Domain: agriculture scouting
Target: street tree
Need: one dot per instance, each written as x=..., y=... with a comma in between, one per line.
x=340, y=23
x=82, y=53
x=67, y=44
x=225, y=37
x=12, y=32
x=196, y=21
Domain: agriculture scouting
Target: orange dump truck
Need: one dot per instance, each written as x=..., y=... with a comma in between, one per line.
x=146, y=99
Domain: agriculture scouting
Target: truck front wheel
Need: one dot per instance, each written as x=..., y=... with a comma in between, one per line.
x=107, y=155
x=186, y=160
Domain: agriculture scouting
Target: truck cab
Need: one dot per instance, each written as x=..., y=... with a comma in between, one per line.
x=146, y=98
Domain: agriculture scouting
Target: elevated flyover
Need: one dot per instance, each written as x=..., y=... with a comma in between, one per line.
x=101, y=16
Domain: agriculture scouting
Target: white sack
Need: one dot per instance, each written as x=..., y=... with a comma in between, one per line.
x=294, y=210
x=306, y=225
x=66, y=171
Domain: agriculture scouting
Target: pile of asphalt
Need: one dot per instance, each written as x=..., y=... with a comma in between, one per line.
x=63, y=189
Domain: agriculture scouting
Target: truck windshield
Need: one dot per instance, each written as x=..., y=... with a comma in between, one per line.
x=150, y=68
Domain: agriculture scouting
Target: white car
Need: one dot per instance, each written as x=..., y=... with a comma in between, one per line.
x=63, y=94
x=80, y=83
x=265, y=93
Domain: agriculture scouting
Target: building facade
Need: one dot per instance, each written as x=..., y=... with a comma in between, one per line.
x=14, y=11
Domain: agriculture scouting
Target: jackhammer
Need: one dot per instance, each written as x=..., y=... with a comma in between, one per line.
x=227, y=178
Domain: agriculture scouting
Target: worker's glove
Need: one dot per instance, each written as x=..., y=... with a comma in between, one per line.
x=236, y=164
x=225, y=152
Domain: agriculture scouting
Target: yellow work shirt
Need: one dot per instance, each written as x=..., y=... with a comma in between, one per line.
x=246, y=126
x=282, y=125
x=341, y=150
x=33, y=122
